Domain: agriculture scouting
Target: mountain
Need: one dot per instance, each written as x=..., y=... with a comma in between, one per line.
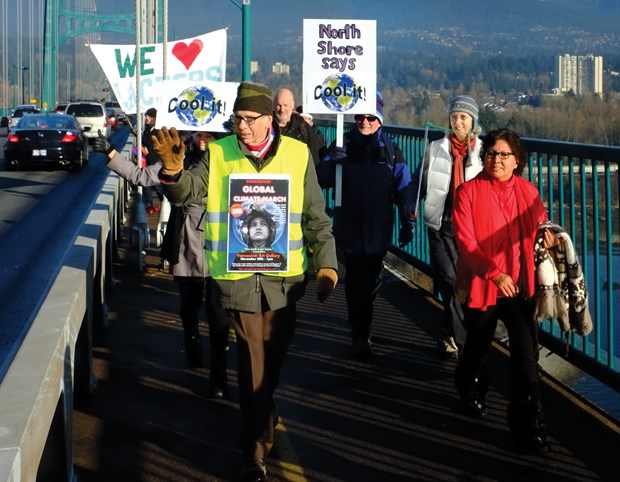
x=487, y=26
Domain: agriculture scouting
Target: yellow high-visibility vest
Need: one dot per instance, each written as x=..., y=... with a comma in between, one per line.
x=226, y=158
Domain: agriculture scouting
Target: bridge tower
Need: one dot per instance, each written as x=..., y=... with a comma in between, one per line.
x=62, y=24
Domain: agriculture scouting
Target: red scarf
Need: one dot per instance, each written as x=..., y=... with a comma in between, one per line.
x=260, y=150
x=459, y=151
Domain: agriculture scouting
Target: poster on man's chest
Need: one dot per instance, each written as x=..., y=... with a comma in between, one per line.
x=258, y=222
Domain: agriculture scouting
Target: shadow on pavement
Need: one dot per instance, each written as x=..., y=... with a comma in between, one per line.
x=394, y=417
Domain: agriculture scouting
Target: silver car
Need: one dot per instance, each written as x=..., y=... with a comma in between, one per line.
x=20, y=111
x=91, y=116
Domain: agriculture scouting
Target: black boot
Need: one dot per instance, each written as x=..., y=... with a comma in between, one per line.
x=473, y=392
x=527, y=426
x=219, y=353
x=193, y=349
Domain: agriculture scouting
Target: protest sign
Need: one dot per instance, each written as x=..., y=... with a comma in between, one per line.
x=339, y=66
x=195, y=60
x=197, y=106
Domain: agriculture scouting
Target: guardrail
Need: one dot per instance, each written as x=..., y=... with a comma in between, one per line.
x=579, y=185
x=54, y=362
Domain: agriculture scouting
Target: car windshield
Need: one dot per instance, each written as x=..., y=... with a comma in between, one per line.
x=46, y=122
x=23, y=112
x=85, y=110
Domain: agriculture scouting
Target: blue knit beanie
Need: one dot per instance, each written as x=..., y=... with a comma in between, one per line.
x=464, y=103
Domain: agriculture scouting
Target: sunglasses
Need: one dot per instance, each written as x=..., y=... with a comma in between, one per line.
x=369, y=118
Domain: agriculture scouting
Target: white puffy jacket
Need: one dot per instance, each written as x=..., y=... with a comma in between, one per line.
x=438, y=173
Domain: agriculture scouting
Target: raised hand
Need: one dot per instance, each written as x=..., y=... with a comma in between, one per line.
x=171, y=150
x=102, y=144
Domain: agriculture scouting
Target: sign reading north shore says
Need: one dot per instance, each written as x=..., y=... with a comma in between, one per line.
x=198, y=106
x=340, y=66
x=194, y=60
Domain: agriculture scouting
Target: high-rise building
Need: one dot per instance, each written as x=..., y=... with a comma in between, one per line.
x=580, y=73
x=280, y=68
x=253, y=66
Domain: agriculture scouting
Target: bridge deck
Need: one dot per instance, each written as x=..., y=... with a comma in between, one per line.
x=395, y=417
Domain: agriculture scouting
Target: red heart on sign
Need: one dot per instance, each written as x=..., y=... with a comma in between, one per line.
x=187, y=53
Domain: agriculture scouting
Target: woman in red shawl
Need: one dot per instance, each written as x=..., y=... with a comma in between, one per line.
x=496, y=216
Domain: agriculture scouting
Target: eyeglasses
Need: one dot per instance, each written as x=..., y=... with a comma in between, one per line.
x=248, y=120
x=502, y=155
x=369, y=118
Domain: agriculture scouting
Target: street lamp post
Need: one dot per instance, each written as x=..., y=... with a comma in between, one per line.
x=245, y=9
x=14, y=85
x=24, y=68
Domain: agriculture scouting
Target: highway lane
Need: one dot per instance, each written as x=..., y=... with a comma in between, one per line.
x=41, y=213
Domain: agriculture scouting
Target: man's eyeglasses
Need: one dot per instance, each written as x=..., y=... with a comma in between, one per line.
x=248, y=120
x=502, y=155
x=369, y=118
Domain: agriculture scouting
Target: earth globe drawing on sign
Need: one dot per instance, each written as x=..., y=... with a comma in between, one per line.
x=342, y=90
x=197, y=106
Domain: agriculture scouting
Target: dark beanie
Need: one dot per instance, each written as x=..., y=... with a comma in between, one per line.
x=254, y=97
x=152, y=112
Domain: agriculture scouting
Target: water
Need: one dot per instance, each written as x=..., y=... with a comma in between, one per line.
x=605, y=397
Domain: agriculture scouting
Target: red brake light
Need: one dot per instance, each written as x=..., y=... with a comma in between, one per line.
x=69, y=137
x=12, y=138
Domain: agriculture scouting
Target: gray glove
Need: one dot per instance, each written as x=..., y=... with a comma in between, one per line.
x=101, y=144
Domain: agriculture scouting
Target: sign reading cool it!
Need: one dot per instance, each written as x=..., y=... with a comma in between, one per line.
x=196, y=106
x=340, y=63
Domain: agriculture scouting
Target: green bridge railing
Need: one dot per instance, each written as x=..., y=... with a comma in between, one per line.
x=579, y=186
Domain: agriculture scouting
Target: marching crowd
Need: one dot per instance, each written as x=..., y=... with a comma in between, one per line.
x=482, y=219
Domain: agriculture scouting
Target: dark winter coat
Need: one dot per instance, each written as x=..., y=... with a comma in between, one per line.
x=375, y=177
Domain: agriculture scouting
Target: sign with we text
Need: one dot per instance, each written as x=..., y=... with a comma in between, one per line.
x=194, y=60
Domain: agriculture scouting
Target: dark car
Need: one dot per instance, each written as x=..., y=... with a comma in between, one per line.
x=46, y=140
x=60, y=108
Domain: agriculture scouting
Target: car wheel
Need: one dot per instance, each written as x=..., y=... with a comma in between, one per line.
x=79, y=164
x=9, y=166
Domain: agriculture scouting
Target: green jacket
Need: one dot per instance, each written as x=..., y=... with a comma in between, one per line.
x=246, y=294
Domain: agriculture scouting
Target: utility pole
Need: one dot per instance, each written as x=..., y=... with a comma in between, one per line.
x=246, y=37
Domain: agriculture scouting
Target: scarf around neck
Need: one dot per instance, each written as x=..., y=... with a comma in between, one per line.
x=459, y=151
x=261, y=149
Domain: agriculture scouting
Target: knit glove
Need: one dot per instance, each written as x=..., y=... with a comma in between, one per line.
x=171, y=150
x=337, y=153
x=102, y=144
x=326, y=279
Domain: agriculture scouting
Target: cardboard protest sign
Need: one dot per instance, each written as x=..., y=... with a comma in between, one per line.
x=197, y=106
x=194, y=60
x=339, y=66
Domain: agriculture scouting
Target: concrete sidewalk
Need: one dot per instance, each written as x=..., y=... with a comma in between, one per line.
x=395, y=417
